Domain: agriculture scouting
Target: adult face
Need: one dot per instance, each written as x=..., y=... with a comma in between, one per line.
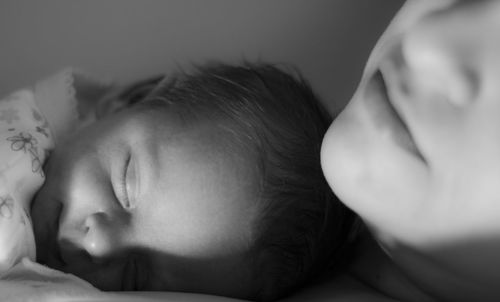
x=416, y=150
x=143, y=200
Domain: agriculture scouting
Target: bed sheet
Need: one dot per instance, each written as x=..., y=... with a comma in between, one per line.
x=30, y=281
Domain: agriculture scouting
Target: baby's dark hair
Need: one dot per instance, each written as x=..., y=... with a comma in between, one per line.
x=301, y=227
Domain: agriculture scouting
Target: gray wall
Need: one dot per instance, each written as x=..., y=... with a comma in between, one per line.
x=328, y=40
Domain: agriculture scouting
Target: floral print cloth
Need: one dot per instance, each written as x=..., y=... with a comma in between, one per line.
x=25, y=142
x=31, y=121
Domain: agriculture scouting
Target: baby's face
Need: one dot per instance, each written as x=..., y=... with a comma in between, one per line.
x=142, y=200
x=420, y=140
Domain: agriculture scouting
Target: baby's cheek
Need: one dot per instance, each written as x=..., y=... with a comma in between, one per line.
x=16, y=234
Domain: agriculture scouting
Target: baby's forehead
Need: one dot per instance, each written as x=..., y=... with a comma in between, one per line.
x=213, y=137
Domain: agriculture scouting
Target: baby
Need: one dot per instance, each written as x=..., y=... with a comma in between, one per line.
x=207, y=182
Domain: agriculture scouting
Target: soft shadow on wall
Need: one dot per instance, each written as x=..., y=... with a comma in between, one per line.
x=328, y=40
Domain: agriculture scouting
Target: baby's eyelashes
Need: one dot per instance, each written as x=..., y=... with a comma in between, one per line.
x=131, y=183
x=122, y=183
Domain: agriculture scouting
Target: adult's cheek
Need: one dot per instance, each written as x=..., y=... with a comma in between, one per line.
x=382, y=182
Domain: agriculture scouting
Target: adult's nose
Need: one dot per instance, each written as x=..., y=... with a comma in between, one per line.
x=440, y=63
x=434, y=80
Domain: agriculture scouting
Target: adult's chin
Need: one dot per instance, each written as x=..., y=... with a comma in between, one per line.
x=371, y=171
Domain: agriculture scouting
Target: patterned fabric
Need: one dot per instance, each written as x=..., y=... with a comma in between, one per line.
x=31, y=122
x=25, y=142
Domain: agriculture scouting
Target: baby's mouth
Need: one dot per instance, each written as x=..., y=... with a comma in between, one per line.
x=46, y=230
x=55, y=257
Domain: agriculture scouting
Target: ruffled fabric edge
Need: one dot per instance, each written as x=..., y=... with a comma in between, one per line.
x=68, y=99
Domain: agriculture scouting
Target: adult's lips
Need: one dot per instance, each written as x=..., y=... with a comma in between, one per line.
x=385, y=116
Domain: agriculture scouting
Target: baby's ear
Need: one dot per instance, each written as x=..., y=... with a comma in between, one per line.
x=68, y=99
x=121, y=97
x=89, y=91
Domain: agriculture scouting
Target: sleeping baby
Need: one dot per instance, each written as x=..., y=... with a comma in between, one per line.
x=207, y=182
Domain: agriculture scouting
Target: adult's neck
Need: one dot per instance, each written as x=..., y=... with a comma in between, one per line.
x=375, y=269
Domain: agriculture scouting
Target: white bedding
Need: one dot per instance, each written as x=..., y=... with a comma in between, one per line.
x=30, y=281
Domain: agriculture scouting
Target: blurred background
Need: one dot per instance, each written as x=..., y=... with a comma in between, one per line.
x=123, y=40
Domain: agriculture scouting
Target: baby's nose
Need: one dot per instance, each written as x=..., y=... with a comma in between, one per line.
x=100, y=240
x=97, y=240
